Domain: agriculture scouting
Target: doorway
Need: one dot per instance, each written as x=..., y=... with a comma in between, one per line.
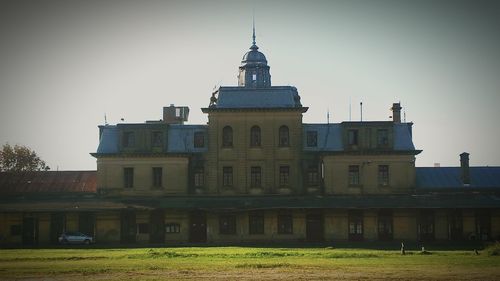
x=30, y=231
x=314, y=228
x=57, y=227
x=157, y=226
x=128, y=227
x=198, y=227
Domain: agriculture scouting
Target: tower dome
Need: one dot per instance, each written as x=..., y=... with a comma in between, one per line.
x=254, y=71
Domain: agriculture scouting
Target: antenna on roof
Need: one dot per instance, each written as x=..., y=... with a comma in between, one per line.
x=105, y=120
x=361, y=110
x=349, y=109
x=404, y=116
x=328, y=116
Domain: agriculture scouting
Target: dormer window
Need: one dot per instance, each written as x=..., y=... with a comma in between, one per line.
x=312, y=138
x=382, y=138
x=352, y=137
x=156, y=139
x=128, y=139
x=254, y=77
x=199, y=140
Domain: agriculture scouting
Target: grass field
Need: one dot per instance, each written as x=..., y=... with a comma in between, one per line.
x=244, y=263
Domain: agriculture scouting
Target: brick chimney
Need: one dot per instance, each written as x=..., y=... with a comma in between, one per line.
x=464, y=166
x=396, y=112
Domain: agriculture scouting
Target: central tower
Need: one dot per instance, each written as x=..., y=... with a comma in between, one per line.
x=254, y=71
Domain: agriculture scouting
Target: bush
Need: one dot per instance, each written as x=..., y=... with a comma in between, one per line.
x=493, y=249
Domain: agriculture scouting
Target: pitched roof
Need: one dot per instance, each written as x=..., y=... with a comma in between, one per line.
x=450, y=177
x=269, y=97
x=48, y=182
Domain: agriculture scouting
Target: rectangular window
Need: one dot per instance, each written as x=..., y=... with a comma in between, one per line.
x=353, y=175
x=382, y=138
x=383, y=175
x=128, y=177
x=227, y=176
x=156, y=139
x=157, y=177
x=284, y=175
x=199, y=140
x=385, y=225
x=143, y=228
x=128, y=139
x=313, y=175
x=256, y=223
x=352, y=137
x=312, y=138
x=172, y=228
x=227, y=224
x=199, y=177
x=255, y=177
x=285, y=224
x=355, y=219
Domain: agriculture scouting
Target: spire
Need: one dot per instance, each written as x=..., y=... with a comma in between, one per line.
x=254, y=46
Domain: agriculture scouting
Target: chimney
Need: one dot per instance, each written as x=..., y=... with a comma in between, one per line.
x=175, y=114
x=396, y=112
x=464, y=166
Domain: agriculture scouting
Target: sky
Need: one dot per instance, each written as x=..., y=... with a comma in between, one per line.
x=65, y=65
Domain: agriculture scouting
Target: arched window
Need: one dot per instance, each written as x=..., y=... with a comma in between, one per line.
x=227, y=136
x=255, y=136
x=284, y=138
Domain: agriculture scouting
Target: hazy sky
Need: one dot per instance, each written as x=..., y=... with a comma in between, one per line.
x=64, y=64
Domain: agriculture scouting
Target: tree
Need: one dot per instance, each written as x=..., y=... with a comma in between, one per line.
x=20, y=158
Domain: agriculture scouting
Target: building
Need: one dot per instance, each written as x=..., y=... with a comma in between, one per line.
x=255, y=173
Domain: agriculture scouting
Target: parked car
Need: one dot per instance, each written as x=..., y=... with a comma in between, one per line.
x=75, y=238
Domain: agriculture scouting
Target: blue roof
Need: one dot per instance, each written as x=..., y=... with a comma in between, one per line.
x=108, y=142
x=181, y=138
x=329, y=137
x=402, y=136
x=450, y=177
x=270, y=97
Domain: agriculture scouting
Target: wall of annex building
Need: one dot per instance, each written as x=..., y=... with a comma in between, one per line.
x=108, y=226
x=270, y=155
x=338, y=174
x=112, y=178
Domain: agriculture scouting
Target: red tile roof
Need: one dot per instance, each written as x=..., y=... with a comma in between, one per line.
x=48, y=182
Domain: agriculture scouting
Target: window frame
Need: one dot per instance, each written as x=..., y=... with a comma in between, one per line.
x=157, y=177
x=382, y=138
x=284, y=175
x=355, y=225
x=227, y=224
x=256, y=176
x=312, y=175
x=128, y=177
x=353, y=175
x=284, y=136
x=199, y=176
x=385, y=225
x=199, y=140
x=156, y=139
x=172, y=227
x=227, y=137
x=255, y=136
x=128, y=139
x=312, y=138
x=383, y=175
x=353, y=137
x=227, y=176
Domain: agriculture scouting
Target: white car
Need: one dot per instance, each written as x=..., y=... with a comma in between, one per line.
x=75, y=237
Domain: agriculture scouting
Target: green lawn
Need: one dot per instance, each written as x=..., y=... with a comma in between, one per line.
x=245, y=263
